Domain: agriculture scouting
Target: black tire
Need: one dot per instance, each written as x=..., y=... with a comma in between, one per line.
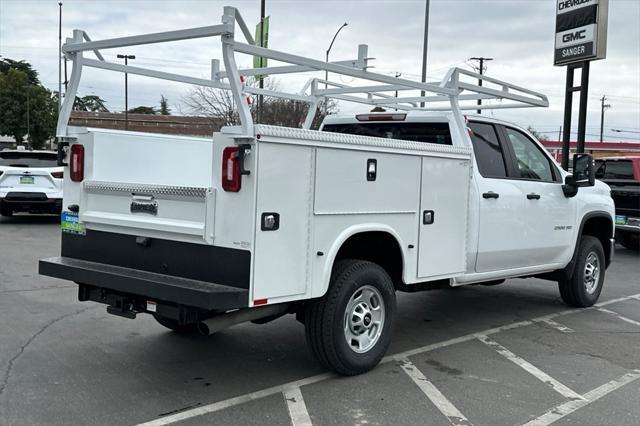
x=630, y=241
x=325, y=318
x=6, y=212
x=172, y=324
x=575, y=291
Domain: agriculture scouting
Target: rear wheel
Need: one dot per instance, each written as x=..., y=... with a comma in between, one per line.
x=585, y=285
x=174, y=325
x=350, y=328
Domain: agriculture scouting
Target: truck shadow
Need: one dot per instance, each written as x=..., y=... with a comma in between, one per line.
x=30, y=219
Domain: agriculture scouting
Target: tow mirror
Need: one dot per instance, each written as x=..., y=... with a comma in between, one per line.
x=583, y=175
x=583, y=171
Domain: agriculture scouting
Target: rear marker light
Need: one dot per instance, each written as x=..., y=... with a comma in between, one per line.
x=76, y=164
x=57, y=175
x=231, y=178
x=260, y=302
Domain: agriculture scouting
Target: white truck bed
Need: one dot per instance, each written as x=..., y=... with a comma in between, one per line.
x=315, y=181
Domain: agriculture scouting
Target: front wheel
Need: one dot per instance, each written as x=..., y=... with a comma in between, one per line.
x=585, y=285
x=350, y=328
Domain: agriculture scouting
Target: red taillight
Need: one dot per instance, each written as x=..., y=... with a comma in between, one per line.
x=231, y=179
x=76, y=163
x=58, y=175
x=381, y=117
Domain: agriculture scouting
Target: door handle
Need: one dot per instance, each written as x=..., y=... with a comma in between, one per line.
x=490, y=194
x=533, y=196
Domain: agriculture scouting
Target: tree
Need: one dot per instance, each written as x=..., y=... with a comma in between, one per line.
x=32, y=75
x=164, y=106
x=26, y=109
x=91, y=103
x=541, y=137
x=219, y=104
x=142, y=110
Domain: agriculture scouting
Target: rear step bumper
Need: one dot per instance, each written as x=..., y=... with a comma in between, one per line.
x=154, y=286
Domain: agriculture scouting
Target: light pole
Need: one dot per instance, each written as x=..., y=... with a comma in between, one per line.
x=326, y=72
x=425, y=45
x=126, y=89
x=59, y=55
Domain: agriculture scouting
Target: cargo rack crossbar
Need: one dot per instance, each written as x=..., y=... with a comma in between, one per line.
x=453, y=93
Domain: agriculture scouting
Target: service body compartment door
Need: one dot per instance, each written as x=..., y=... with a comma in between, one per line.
x=282, y=253
x=444, y=199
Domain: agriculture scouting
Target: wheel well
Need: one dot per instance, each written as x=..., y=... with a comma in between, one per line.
x=375, y=246
x=601, y=228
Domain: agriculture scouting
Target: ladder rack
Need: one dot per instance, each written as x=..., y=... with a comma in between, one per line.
x=454, y=93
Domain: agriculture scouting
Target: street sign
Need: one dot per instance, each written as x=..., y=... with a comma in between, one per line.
x=262, y=40
x=581, y=31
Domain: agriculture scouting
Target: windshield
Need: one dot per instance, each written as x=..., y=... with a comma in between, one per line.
x=614, y=169
x=417, y=132
x=28, y=159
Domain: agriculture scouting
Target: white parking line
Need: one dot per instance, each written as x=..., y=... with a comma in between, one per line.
x=220, y=405
x=562, y=410
x=297, y=408
x=531, y=369
x=231, y=402
x=619, y=299
x=620, y=317
x=441, y=402
x=557, y=326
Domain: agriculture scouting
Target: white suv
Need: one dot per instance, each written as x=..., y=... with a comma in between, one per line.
x=30, y=181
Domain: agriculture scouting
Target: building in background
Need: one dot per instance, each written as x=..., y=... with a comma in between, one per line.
x=152, y=123
x=597, y=149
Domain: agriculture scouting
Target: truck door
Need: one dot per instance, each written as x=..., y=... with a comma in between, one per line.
x=501, y=220
x=548, y=215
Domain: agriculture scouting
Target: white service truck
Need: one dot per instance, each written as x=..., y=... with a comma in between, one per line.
x=261, y=221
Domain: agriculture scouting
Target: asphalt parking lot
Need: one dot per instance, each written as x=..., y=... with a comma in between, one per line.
x=508, y=354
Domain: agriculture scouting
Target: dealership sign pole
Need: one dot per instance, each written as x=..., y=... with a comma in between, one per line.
x=581, y=37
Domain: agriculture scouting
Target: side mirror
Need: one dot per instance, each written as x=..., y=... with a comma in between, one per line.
x=583, y=171
x=583, y=175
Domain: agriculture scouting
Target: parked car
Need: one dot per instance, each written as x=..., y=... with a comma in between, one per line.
x=30, y=181
x=622, y=174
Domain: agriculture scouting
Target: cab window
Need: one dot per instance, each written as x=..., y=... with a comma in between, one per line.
x=487, y=150
x=530, y=161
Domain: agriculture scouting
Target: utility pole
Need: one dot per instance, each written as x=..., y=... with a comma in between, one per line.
x=59, y=55
x=126, y=89
x=603, y=106
x=424, y=48
x=560, y=134
x=397, y=75
x=480, y=59
x=261, y=79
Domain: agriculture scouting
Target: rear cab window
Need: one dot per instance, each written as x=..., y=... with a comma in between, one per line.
x=438, y=133
x=28, y=159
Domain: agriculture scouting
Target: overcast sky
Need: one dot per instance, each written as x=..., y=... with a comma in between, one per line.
x=518, y=34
